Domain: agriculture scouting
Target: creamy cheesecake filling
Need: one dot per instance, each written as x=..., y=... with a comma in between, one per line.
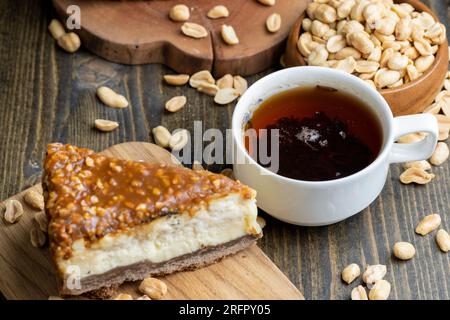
x=223, y=220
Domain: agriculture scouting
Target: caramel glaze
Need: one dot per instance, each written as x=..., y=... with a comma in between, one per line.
x=88, y=196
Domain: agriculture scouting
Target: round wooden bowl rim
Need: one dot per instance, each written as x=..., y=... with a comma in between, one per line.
x=439, y=54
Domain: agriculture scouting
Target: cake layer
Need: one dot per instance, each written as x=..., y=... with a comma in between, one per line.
x=104, y=286
x=165, y=238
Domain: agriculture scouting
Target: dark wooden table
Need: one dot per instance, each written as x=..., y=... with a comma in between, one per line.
x=48, y=95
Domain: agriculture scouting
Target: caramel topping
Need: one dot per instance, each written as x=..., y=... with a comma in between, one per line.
x=89, y=196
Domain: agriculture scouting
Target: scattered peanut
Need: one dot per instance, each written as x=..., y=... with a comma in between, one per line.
x=13, y=211
x=443, y=240
x=41, y=220
x=178, y=141
x=267, y=2
x=179, y=12
x=240, y=85
x=194, y=30
x=218, y=12
x=440, y=155
x=443, y=121
x=208, y=88
x=37, y=237
x=199, y=77
x=374, y=273
x=350, y=273
x=161, y=136
x=176, y=79
x=445, y=107
x=380, y=290
x=443, y=135
x=175, y=103
x=154, y=288
x=434, y=108
x=273, y=22
x=34, y=199
x=111, y=98
x=404, y=250
x=106, y=125
x=144, y=297
x=122, y=296
x=69, y=41
x=359, y=293
x=56, y=29
x=229, y=35
x=416, y=175
x=225, y=82
x=261, y=221
x=447, y=84
x=428, y=224
x=422, y=164
x=226, y=96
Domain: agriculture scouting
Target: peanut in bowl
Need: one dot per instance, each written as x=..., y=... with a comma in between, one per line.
x=408, y=71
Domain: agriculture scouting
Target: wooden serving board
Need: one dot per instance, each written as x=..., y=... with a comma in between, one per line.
x=27, y=271
x=137, y=32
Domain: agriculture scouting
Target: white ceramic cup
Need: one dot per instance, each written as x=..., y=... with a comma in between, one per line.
x=312, y=203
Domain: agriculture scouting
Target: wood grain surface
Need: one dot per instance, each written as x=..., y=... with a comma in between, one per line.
x=141, y=32
x=27, y=272
x=48, y=95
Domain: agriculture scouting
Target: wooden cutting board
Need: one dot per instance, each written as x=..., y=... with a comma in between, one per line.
x=27, y=271
x=137, y=32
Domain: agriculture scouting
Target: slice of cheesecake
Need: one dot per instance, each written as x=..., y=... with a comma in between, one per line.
x=114, y=220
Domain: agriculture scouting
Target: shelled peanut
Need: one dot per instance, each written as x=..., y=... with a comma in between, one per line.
x=381, y=42
x=417, y=171
x=181, y=13
x=224, y=90
x=441, y=109
x=69, y=41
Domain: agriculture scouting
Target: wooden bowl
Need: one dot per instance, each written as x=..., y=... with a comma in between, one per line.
x=409, y=98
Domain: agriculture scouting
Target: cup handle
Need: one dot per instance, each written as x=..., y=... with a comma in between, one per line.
x=405, y=152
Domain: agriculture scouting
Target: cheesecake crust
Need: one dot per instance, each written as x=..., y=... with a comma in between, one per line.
x=89, y=196
x=105, y=285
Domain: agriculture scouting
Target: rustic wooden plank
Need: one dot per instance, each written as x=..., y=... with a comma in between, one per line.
x=249, y=274
x=48, y=95
x=140, y=32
